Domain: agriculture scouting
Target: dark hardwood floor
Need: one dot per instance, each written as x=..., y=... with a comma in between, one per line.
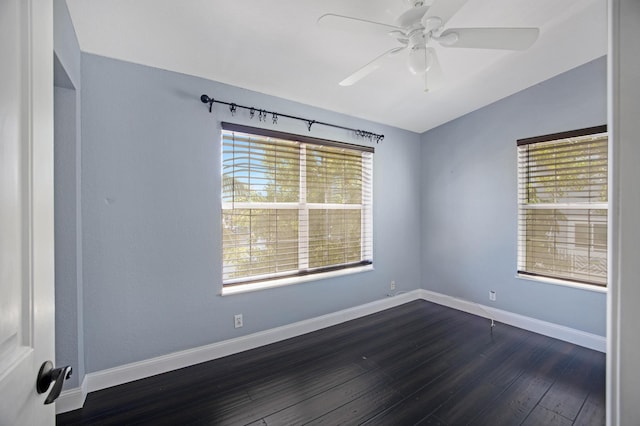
x=416, y=364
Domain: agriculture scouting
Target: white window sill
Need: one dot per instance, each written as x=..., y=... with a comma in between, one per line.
x=245, y=288
x=563, y=283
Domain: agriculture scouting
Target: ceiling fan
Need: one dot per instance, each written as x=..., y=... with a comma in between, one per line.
x=419, y=27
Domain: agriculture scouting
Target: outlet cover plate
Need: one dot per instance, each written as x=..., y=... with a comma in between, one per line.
x=237, y=321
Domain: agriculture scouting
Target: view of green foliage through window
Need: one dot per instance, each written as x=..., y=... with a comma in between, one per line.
x=291, y=208
x=562, y=206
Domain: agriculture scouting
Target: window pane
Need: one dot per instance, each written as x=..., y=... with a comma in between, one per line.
x=283, y=173
x=334, y=237
x=600, y=235
x=552, y=250
x=259, y=242
x=256, y=170
x=334, y=175
x=564, y=172
x=582, y=235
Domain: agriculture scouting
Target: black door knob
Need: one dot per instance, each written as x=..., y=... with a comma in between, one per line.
x=48, y=375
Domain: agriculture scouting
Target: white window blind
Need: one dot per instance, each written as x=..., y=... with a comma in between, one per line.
x=293, y=205
x=562, y=206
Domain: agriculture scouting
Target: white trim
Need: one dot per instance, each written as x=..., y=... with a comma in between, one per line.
x=74, y=398
x=555, y=281
x=303, y=213
x=578, y=337
x=614, y=231
x=162, y=364
x=301, y=205
x=262, y=205
x=565, y=206
x=298, y=279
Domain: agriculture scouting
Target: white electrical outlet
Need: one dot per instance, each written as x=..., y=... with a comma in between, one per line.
x=492, y=295
x=237, y=320
x=393, y=285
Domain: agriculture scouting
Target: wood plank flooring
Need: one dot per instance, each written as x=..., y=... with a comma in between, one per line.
x=416, y=364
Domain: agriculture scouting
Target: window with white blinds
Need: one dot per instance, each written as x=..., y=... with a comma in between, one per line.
x=562, y=206
x=293, y=205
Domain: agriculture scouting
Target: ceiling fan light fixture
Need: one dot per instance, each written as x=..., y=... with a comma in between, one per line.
x=419, y=59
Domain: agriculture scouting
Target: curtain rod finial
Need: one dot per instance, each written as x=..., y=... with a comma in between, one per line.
x=207, y=100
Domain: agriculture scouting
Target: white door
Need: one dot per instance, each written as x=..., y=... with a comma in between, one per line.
x=26, y=208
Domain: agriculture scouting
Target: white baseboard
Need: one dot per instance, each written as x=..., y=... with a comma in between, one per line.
x=162, y=364
x=74, y=398
x=571, y=335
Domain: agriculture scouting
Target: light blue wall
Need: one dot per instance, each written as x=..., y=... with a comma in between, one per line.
x=151, y=216
x=65, y=42
x=68, y=335
x=68, y=218
x=469, y=208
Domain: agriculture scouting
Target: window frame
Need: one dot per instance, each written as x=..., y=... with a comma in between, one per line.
x=304, y=273
x=590, y=206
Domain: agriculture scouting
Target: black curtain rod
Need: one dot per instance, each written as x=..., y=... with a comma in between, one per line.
x=262, y=116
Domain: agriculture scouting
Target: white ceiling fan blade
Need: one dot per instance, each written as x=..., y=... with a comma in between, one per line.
x=443, y=9
x=370, y=67
x=433, y=77
x=351, y=24
x=412, y=16
x=489, y=38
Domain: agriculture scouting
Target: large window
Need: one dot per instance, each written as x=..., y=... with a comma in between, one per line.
x=562, y=206
x=293, y=205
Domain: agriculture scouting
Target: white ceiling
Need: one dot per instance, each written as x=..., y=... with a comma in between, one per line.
x=276, y=47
